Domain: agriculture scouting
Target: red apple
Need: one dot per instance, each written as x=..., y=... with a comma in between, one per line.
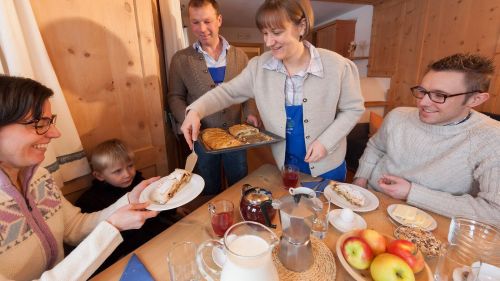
x=408, y=252
x=357, y=252
x=376, y=240
x=388, y=267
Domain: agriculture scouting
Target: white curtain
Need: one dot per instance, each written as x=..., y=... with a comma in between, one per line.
x=174, y=39
x=22, y=53
x=171, y=22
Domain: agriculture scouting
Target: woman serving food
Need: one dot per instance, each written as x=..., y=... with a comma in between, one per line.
x=307, y=95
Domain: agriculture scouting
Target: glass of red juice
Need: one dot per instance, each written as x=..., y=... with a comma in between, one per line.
x=290, y=176
x=221, y=216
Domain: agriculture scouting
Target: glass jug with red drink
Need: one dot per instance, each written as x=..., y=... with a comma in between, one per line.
x=290, y=176
x=221, y=216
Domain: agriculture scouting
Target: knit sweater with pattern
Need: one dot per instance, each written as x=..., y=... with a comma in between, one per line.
x=454, y=170
x=34, y=224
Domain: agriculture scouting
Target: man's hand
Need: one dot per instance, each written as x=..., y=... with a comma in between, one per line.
x=133, y=196
x=131, y=216
x=360, y=182
x=315, y=152
x=253, y=120
x=394, y=186
x=191, y=127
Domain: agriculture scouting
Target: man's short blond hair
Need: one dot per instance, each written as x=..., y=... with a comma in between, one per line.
x=110, y=152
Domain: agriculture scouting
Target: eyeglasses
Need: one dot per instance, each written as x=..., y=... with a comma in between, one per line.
x=437, y=97
x=42, y=125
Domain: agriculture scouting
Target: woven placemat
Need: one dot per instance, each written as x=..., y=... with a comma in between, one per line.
x=323, y=267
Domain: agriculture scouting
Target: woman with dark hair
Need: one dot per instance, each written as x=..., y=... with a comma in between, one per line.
x=35, y=217
x=310, y=96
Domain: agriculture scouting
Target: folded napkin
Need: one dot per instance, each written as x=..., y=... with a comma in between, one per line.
x=135, y=270
x=317, y=185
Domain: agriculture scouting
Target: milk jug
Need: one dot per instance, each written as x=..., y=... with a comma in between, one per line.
x=247, y=247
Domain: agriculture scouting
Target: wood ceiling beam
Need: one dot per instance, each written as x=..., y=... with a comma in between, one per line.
x=366, y=2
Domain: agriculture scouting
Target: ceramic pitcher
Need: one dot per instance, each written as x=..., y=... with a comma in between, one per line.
x=247, y=247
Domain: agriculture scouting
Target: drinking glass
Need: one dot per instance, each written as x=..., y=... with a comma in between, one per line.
x=221, y=216
x=182, y=262
x=290, y=176
x=472, y=245
x=321, y=209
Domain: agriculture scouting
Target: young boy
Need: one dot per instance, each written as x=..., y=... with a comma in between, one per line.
x=115, y=174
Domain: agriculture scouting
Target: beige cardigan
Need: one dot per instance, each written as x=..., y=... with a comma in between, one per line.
x=332, y=104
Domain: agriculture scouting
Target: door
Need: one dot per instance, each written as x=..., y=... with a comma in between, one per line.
x=106, y=59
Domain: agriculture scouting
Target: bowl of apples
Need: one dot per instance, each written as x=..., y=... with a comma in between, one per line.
x=369, y=255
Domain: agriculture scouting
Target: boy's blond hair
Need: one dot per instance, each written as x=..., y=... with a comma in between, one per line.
x=110, y=152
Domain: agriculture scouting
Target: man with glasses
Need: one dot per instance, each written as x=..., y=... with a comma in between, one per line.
x=442, y=156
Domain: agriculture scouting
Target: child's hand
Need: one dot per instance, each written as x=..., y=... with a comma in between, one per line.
x=133, y=196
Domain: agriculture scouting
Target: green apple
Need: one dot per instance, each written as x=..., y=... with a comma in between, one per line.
x=357, y=252
x=388, y=267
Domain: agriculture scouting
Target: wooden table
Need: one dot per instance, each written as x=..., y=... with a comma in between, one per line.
x=196, y=227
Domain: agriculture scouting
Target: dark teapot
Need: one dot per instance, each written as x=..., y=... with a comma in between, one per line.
x=255, y=205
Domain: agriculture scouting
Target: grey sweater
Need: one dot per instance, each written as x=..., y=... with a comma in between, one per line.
x=332, y=104
x=453, y=170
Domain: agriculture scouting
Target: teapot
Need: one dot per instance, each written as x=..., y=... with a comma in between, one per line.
x=254, y=207
x=247, y=246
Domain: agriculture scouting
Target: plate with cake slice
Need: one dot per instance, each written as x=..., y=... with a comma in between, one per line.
x=172, y=191
x=351, y=196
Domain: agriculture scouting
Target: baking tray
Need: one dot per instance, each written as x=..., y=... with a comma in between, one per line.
x=275, y=139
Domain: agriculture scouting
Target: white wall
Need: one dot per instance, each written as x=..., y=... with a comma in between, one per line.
x=241, y=34
x=363, y=31
x=373, y=88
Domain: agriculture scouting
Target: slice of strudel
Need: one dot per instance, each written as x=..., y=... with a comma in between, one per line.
x=171, y=184
x=348, y=193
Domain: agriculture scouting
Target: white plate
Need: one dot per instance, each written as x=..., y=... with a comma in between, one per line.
x=432, y=226
x=371, y=201
x=357, y=223
x=192, y=189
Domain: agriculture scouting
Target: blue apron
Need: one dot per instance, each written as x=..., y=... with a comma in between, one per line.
x=296, y=146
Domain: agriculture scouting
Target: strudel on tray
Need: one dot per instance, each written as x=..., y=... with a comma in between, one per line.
x=217, y=138
x=172, y=184
x=242, y=130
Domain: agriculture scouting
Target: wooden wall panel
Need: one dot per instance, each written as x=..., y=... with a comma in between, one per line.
x=106, y=58
x=410, y=52
x=386, y=38
x=336, y=36
x=430, y=30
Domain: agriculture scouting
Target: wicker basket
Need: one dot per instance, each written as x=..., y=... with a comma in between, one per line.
x=323, y=267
